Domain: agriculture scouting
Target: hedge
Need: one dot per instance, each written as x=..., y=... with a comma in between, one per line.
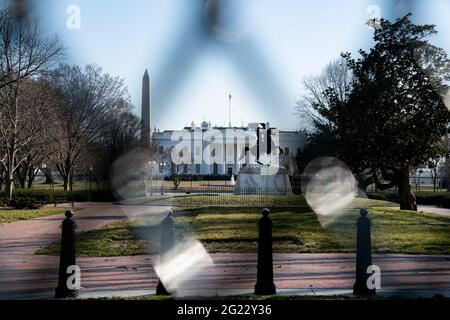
x=34, y=198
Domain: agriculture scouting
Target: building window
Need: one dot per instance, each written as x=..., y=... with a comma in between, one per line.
x=299, y=151
x=230, y=171
x=286, y=151
x=197, y=169
x=161, y=150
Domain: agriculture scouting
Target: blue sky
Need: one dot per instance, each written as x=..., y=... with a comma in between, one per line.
x=289, y=39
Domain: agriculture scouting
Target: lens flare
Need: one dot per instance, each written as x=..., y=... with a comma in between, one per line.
x=182, y=263
x=329, y=187
x=128, y=173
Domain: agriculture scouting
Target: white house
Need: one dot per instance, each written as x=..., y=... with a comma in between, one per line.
x=217, y=150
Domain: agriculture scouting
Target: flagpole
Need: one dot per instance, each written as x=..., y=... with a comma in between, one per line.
x=229, y=110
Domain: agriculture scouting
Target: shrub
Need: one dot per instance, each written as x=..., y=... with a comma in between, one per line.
x=35, y=198
x=445, y=202
x=388, y=196
x=377, y=196
x=3, y=201
x=25, y=203
x=430, y=198
x=422, y=198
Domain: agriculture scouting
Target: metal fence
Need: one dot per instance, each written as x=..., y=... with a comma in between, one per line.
x=217, y=196
x=422, y=184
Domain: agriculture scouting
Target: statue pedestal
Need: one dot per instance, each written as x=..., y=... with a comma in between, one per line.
x=265, y=180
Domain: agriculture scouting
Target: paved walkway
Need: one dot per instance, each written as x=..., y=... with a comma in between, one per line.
x=434, y=209
x=428, y=209
x=24, y=275
x=22, y=272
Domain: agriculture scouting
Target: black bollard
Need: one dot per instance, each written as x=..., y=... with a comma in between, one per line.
x=363, y=255
x=67, y=257
x=264, y=284
x=167, y=243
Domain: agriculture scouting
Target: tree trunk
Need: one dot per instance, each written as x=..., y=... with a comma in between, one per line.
x=9, y=186
x=66, y=173
x=407, y=197
x=66, y=182
x=30, y=183
x=31, y=176
x=21, y=178
x=71, y=182
x=2, y=179
x=48, y=176
x=364, y=183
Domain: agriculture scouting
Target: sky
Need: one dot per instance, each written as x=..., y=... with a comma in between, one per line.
x=261, y=55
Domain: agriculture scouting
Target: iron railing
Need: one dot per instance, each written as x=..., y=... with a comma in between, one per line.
x=217, y=196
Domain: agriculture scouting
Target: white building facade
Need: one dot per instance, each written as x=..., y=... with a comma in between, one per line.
x=207, y=150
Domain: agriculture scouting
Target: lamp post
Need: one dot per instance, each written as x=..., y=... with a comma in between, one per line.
x=162, y=166
x=152, y=166
x=420, y=172
x=91, y=169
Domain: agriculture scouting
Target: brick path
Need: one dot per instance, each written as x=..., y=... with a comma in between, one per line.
x=23, y=274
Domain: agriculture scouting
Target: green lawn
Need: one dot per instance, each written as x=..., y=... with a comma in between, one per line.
x=294, y=230
x=394, y=231
x=116, y=239
x=82, y=185
x=250, y=201
x=11, y=215
x=227, y=200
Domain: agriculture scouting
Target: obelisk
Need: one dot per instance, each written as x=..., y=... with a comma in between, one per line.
x=146, y=110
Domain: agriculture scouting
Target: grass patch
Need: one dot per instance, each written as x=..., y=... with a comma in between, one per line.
x=295, y=230
x=116, y=239
x=279, y=297
x=11, y=215
x=235, y=230
x=81, y=185
x=393, y=231
x=411, y=232
x=226, y=199
x=251, y=201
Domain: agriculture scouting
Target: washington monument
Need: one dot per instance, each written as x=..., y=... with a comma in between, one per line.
x=146, y=110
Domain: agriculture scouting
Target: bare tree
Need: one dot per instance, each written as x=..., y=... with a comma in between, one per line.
x=36, y=156
x=121, y=134
x=337, y=76
x=289, y=163
x=22, y=127
x=88, y=99
x=24, y=55
x=177, y=171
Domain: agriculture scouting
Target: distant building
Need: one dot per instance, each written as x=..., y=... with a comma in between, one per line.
x=290, y=145
x=426, y=176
